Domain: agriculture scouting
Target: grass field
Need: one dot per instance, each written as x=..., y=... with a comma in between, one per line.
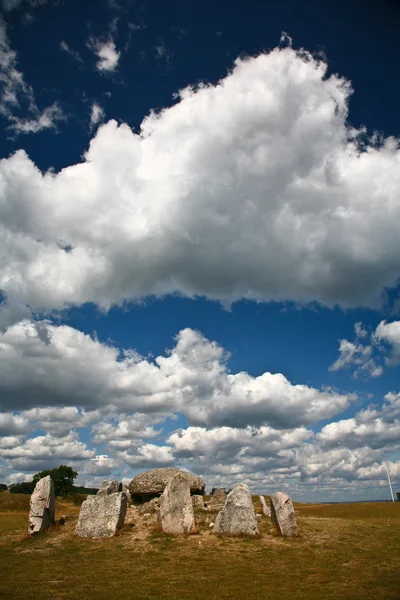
x=344, y=552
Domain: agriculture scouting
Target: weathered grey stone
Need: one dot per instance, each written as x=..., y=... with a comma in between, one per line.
x=265, y=508
x=237, y=517
x=125, y=488
x=150, y=507
x=217, y=500
x=109, y=487
x=101, y=516
x=152, y=483
x=197, y=501
x=42, y=506
x=175, y=514
x=282, y=514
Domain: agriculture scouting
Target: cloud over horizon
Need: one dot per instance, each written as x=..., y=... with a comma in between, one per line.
x=239, y=427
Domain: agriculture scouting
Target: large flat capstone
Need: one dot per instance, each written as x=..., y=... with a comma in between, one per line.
x=152, y=483
x=283, y=515
x=238, y=516
x=175, y=514
x=101, y=516
x=42, y=506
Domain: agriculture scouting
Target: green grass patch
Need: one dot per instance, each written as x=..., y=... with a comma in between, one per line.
x=345, y=552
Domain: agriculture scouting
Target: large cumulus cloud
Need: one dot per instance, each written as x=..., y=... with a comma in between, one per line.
x=254, y=187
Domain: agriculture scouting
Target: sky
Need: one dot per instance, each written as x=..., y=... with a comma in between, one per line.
x=199, y=242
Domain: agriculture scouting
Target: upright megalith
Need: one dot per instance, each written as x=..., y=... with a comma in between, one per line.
x=217, y=500
x=175, y=514
x=197, y=501
x=101, y=516
x=265, y=508
x=238, y=516
x=283, y=515
x=42, y=506
x=109, y=487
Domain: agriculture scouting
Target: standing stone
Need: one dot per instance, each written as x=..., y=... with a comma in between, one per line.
x=101, y=516
x=265, y=508
x=42, y=506
x=217, y=500
x=109, y=487
x=238, y=516
x=197, y=501
x=282, y=514
x=175, y=514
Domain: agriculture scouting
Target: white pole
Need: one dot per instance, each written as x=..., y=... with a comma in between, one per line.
x=390, y=485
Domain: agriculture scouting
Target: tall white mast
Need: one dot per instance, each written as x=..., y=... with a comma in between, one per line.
x=390, y=484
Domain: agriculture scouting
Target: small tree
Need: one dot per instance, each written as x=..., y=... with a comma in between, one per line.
x=63, y=479
x=3, y=487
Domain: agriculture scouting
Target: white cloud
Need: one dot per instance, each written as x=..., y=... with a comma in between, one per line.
x=45, y=452
x=217, y=195
x=17, y=96
x=74, y=53
x=224, y=443
x=125, y=429
x=372, y=427
x=162, y=52
x=360, y=331
x=360, y=355
x=19, y=478
x=100, y=465
x=390, y=333
x=357, y=355
x=10, y=441
x=350, y=354
x=148, y=456
x=43, y=364
x=13, y=424
x=107, y=54
x=96, y=115
x=45, y=120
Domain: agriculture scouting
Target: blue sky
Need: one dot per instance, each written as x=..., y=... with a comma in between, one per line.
x=199, y=249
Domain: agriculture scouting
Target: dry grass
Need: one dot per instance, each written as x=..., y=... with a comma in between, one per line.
x=345, y=552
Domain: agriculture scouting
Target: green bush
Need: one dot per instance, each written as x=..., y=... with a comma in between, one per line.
x=26, y=487
x=3, y=487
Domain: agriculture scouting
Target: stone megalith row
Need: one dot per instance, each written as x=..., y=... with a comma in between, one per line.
x=42, y=506
x=283, y=515
x=238, y=516
x=101, y=516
